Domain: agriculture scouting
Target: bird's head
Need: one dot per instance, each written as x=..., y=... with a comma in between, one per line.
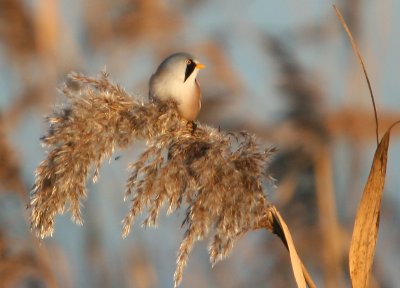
x=182, y=66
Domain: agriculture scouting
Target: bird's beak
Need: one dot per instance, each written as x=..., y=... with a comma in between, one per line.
x=200, y=66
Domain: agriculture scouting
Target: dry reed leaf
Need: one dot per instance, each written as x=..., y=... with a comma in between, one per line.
x=365, y=232
x=360, y=59
x=366, y=225
x=297, y=265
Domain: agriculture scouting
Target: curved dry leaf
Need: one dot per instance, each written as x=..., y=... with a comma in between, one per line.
x=366, y=225
x=297, y=265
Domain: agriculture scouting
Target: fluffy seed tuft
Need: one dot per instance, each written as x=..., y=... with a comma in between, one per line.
x=216, y=176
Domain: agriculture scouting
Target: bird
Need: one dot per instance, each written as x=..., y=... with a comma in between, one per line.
x=175, y=78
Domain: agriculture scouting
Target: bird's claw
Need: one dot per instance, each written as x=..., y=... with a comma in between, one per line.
x=192, y=126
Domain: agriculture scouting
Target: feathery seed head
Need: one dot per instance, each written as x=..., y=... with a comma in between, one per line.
x=217, y=176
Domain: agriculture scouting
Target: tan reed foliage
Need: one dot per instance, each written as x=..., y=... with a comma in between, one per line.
x=134, y=21
x=10, y=174
x=216, y=175
x=220, y=183
x=16, y=29
x=21, y=264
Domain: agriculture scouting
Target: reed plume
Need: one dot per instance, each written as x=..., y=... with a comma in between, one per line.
x=216, y=175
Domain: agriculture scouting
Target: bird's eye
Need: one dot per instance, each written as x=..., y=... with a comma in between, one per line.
x=190, y=66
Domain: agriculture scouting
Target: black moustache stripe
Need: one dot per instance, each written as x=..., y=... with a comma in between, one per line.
x=189, y=69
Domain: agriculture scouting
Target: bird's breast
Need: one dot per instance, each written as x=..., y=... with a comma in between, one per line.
x=187, y=95
x=189, y=101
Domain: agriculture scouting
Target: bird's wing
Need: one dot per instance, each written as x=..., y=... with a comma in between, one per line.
x=198, y=91
x=151, y=88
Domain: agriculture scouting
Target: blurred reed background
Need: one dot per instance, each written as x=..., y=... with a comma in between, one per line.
x=282, y=70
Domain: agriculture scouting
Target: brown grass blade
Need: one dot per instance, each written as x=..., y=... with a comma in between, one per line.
x=365, y=233
x=359, y=57
x=297, y=265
